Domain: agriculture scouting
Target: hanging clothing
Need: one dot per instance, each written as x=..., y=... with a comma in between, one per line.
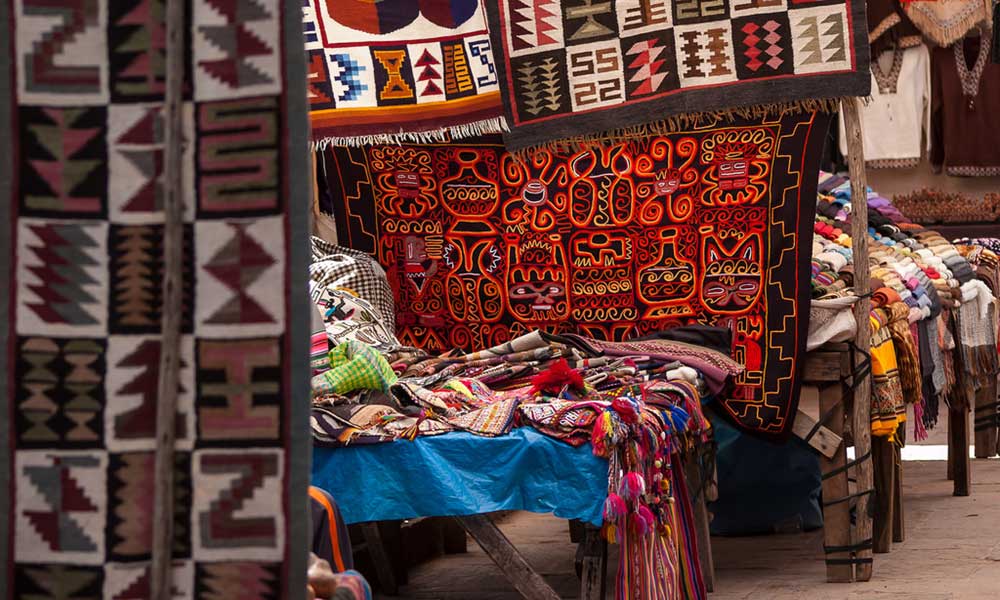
x=965, y=122
x=898, y=115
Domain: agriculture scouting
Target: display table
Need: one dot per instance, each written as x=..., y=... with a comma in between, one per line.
x=466, y=476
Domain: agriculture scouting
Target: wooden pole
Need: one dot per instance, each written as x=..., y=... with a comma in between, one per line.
x=170, y=348
x=836, y=517
x=519, y=573
x=861, y=412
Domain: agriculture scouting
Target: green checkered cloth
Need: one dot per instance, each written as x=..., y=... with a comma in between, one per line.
x=354, y=366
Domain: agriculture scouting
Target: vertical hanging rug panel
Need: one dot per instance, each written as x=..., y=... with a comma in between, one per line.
x=613, y=240
x=574, y=68
x=82, y=87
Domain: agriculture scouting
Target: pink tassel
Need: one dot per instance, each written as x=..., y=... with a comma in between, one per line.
x=647, y=517
x=626, y=410
x=633, y=486
x=919, y=431
x=614, y=508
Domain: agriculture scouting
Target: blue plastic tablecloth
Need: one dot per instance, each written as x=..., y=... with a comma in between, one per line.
x=458, y=474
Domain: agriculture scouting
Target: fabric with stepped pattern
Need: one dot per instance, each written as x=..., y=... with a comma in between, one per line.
x=574, y=68
x=613, y=241
x=405, y=70
x=82, y=87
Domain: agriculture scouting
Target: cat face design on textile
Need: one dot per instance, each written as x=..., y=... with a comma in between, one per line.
x=541, y=196
x=738, y=166
x=602, y=193
x=474, y=285
x=732, y=280
x=666, y=274
x=404, y=181
x=537, y=279
x=667, y=197
x=471, y=191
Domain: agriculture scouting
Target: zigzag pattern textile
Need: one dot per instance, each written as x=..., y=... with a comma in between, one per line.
x=81, y=207
x=576, y=68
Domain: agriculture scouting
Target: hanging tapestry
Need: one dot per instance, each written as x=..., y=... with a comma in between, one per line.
x=82, y=89
x=574, y=68
x=414, y=70
x=614, y=241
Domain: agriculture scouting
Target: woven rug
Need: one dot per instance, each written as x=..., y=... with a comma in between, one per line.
x=399, y=71
x=574, y=68
x=81, y=206
x=711, y=226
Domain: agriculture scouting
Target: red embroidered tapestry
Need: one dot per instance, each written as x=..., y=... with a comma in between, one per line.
x=614, y=241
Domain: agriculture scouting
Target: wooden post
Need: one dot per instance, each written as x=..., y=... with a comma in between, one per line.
x=173, y=275
x=986, y=420
x=836, y=517
x=898, y=522
x=382, y=562
x=593, y=554
x=697, y=486
x=519, y=573
x=884, y=458
x=958, y=433
x=861, y=412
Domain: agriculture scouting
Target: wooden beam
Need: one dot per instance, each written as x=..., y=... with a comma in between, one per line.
x=836, y=517
x=884, y=459
x=898, y=521
x=986, y=420
x=697, y=486
x=161, y=585
x=824, y=440
x=593, y=554
x=861, y=411
x=958, y=433
x=381, y=561
x=518, y=572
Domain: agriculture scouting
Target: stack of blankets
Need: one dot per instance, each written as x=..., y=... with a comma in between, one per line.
x=934, y=308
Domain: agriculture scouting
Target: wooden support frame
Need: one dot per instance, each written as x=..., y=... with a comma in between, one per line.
x=884, y=459
x=173, y=280
x=861, y=409
x=525, y=580
x=985, y=422
x=958, y=449
x=836, y=517
x=698, y=484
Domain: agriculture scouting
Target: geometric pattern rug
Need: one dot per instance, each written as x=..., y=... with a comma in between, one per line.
x=613, y=239
x=574, y=68
x=81, y=226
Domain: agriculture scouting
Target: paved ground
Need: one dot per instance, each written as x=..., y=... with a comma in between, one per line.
x=952, y=552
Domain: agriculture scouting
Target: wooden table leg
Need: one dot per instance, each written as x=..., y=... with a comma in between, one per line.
x=518, y=572
x=958, y=451
x=593, y=554
x=898, y=522
x=382, y=563
x=836, y=517
x=985, y=423
x=884, y=458
x=697, y=485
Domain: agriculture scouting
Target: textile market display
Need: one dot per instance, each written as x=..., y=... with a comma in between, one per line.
x=612, y=241
x=83, y=239
x=405, y=70
x=636, y=405
x=578, y=68
x=933, y=319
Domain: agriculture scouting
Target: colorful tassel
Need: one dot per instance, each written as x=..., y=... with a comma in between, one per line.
x=633, y=486
x=614, y=508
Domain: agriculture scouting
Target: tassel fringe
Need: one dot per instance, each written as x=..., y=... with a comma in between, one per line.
x=443, y=134
x=681, y=122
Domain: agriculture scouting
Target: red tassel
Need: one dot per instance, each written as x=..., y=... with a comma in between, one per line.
x=557, y=377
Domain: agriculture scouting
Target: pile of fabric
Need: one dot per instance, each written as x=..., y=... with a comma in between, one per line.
x=638, y=404
x=934, y=312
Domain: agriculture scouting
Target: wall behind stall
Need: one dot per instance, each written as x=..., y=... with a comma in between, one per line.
x=890, y=182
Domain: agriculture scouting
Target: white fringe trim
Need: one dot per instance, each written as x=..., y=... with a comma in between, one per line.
x=443, y=134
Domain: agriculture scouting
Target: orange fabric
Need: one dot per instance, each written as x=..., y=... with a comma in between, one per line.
x=318, y=495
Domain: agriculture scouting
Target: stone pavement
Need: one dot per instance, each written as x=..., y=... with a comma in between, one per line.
x=952, y=552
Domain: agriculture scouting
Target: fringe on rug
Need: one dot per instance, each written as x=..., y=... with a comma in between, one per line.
x=944, y=33
x=443, y=134
x=681, y=122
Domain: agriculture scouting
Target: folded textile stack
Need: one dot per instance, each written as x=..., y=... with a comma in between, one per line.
x=933, y=312
x=929, y=207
